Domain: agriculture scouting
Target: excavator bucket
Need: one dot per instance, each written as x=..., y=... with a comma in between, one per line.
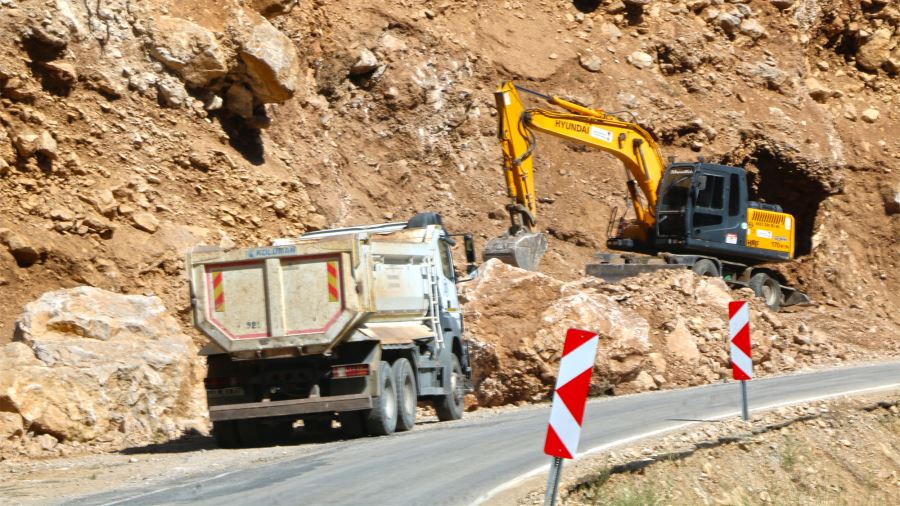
x=523, y=250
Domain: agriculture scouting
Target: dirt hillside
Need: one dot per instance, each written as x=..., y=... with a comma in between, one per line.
x=132, y=130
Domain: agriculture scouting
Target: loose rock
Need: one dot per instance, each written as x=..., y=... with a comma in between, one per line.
x=591, y=63
x=145, y=221
x=367, y=62
x=640, y=60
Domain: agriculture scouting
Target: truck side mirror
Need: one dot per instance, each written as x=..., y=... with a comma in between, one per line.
x=469, y=247
x=701, y=182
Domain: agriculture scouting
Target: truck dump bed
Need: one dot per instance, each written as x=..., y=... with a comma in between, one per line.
x=313, y=292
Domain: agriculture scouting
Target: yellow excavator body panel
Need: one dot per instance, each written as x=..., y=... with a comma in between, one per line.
x=770, y=230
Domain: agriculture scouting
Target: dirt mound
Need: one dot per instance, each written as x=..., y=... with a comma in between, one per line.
x=516, y=321
x=89, y=366
x=660, y=330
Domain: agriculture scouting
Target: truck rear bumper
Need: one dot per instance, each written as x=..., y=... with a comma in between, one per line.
x=244, y=411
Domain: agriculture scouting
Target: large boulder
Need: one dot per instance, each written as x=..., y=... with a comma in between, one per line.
x=189, y=50
x=271, y=66
x=876, y=51
x=89, y=365
x=517, y=321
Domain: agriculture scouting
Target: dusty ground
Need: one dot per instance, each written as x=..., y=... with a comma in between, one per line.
x=841, y=451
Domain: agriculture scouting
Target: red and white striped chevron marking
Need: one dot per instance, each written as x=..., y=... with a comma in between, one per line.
x=571, y=391
x=739, y=336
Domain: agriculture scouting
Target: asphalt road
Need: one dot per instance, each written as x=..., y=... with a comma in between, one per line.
x=462, y=462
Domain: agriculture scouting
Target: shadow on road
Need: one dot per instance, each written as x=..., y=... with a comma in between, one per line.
x=195, y=441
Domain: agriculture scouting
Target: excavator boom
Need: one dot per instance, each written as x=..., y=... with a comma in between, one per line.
x=523, y=245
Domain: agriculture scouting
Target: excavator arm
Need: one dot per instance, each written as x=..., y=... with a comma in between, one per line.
x=625, y=140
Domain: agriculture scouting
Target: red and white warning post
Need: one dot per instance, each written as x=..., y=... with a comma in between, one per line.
x=739, y=339
x=570, y=394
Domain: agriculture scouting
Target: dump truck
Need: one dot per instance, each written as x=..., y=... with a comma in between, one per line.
x=352, y=325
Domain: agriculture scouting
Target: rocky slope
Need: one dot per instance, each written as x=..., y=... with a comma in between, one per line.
x=133, y=130
x=657, y=331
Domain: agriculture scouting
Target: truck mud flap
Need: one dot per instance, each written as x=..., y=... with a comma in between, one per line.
x=336, y=403
x=613, y=273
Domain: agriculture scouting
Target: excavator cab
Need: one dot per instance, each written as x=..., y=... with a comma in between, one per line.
x=704, y=208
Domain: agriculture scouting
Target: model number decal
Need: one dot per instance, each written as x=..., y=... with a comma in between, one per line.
x=765, y=234
x=599, y=133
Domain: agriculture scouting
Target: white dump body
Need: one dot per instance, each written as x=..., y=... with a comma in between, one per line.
x=311, y=293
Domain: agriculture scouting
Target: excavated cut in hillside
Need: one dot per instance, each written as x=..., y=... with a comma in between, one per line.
x=133, y=130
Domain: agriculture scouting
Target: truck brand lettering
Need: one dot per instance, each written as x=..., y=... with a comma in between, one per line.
x=268, y=252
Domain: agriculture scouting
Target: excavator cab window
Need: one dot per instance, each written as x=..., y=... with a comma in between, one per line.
x=674, y=193
x=710, y=191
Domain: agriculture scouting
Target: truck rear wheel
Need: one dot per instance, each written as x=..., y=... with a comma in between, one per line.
x=381, y=420
x=352, y=423
x=249, y=433
x=405, y=384
x=225, y=434
x=768, y=289
x=450, y=406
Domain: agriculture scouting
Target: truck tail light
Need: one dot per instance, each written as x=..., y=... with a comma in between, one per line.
x=350, y=371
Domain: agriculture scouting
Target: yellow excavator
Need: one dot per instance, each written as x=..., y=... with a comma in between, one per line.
x=693, y=215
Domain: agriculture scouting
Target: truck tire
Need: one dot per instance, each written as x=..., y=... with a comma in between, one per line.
x=768, y=289
x=450, y=406
x=352, y=423
x=280, y=431
x=381, y=420
x=407, y=400
x=706, y=267
x=249, y=433
x=225, y=434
